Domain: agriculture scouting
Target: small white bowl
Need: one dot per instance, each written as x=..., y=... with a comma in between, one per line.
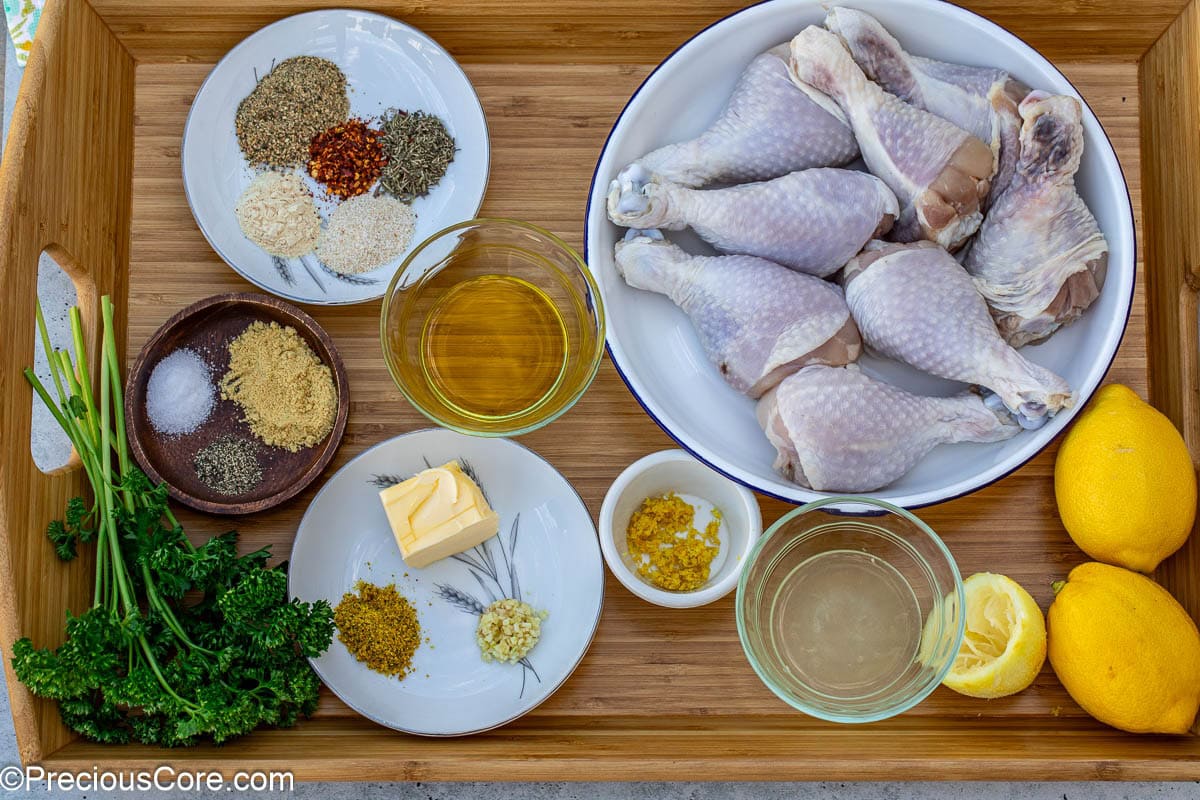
x=676, y=471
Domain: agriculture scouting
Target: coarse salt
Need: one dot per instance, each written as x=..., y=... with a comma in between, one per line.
x=180, y=394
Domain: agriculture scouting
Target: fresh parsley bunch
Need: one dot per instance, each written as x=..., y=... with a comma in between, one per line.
x=181, y=643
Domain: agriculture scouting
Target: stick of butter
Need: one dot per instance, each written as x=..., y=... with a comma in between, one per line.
x=436, y=513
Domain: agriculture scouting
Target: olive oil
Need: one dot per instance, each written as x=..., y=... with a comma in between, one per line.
x=493, y=346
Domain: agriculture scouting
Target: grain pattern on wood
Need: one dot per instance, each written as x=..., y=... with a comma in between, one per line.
x=662, y=693
x=609, y=32
x=646, y=661
x=64, y=185
x=690, y=748
x=1170, y=86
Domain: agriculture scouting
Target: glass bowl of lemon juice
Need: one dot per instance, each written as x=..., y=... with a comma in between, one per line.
x=493, y=327
x=850, y=609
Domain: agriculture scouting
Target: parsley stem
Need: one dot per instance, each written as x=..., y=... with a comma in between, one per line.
x=114, y=371
x=81, y=363
x=162, y=681
x=127, y=599
x=159, y=605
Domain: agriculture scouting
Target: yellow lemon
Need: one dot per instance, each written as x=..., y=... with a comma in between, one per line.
x=1125, y=650
x=1005, y=642
x=1124, y=481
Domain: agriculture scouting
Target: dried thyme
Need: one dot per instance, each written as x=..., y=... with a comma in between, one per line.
x=419, y=149
x=295, y=101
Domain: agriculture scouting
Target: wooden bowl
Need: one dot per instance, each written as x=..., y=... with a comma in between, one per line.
x=207, y=327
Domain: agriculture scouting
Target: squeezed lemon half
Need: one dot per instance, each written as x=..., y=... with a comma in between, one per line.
x=1004, y=646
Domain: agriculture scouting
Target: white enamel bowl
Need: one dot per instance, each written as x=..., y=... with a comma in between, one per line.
x=653, y=344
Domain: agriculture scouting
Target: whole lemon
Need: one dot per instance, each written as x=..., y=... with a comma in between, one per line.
x=1125, y=650
x=1124, y=482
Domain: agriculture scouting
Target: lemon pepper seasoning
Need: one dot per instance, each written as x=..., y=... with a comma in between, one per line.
x=379, y=627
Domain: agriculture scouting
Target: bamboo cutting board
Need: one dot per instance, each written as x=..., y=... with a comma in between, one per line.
x=554, y=129
x=662, y=693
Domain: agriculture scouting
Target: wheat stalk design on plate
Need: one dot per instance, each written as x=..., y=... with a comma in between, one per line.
x=345, y=277
x=285, y=271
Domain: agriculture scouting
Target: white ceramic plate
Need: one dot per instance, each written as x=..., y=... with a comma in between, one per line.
x=654, y=346
x=551, y=559
x=387, y=65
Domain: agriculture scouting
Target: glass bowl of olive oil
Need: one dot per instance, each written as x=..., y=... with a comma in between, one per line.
x=493, y=327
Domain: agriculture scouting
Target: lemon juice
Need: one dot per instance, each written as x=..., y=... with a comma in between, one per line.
x=847, y=623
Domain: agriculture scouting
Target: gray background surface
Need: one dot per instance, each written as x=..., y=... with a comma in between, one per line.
x=50, y=448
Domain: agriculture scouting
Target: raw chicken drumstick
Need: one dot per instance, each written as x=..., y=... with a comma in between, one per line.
x=838, y=430
x=811, y=221
x=1040, y=258
x=980, y=100
x=758, y=321
x=769, y=127
x=939, y=172
x=916, y=304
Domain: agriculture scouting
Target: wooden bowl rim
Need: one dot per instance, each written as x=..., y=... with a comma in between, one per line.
x=135, y=431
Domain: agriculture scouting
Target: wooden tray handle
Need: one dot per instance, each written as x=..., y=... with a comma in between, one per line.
x=64, y=188
x=1170, y=92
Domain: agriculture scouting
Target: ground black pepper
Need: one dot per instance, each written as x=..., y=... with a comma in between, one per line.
x=229, y=466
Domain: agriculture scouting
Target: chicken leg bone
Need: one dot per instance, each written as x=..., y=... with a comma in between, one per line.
x=769, y=127
x=835, y=429
x=939, y=172
x=811, y=221
x=916, y=304
x=757, y=321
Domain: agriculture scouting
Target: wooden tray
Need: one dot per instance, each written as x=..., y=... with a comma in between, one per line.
x=92, y=172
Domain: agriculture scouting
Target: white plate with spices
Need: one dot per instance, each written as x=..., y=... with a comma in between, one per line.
x=545, y=554
x=388, y=65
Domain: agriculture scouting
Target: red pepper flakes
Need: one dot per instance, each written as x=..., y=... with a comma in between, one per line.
x=347, y=158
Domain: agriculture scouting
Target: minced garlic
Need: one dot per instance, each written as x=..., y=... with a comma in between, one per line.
x=666, y=548
x=508, y=630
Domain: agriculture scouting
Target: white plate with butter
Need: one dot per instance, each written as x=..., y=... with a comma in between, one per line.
x=546, y=553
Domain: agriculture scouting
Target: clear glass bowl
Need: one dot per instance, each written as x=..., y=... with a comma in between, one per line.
x=850, y=609
x=518, y=289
